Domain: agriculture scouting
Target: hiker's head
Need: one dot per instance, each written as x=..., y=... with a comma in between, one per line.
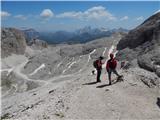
x=111, y=55
x=101, y=58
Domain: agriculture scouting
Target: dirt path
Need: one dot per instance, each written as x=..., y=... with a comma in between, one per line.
x=130, y=99
x=18, y=69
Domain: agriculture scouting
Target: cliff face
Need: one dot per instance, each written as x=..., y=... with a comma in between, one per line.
x=149, y=31
x=143, y=44
x=13, y=41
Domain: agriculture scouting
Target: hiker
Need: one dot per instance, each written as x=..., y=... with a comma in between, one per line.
x=111, y=67
x=98, y=65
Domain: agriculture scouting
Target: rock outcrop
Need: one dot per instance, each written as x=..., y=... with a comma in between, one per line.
x=38, y=44
x=13, y=41
x=143, y=44
x=30, y=34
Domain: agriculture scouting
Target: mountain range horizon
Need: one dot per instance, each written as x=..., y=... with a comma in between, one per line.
x=81, y=35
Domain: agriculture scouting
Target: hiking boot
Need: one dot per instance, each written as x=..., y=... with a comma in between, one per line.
x=120, y=76
x=98, y=81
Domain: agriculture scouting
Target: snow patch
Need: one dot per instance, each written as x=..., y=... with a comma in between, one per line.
x=104, y=51
x=8, y=70
x=158, y=66
x=69, y=66
x=89, y=57
x=68, y=63
x=59, y=64
x=36, y=70
x=109, y=52
x=115, y=53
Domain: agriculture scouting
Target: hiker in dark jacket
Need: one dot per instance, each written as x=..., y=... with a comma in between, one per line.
x=99, y=68
x=111, y=67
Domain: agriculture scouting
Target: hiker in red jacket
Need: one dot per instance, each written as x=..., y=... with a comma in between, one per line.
x=111, y=67
x=98, y=66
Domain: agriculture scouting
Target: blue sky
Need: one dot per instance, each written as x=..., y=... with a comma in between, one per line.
x=53, y=16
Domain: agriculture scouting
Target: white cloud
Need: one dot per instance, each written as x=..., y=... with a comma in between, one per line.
x=4, y=14
x=97, y=12
x=47, y=13
x=22, y=17
x=157, y=11
x=71, y=14
x=140, y=18
x=124, y=18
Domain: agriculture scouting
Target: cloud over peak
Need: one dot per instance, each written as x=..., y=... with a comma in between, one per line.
x=140, y=18
x=22, y=17
x=47, y=13
x=124, y=18
x=4, y=14
x=97, y=12
x=71, y=14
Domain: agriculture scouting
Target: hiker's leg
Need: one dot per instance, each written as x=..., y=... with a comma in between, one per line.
x=98, y=75
x=115, y=72
x=109, y=76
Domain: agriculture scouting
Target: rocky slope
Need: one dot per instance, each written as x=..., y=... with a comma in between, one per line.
x=143, y=44
x=77, y=96
x=43, y=62
x=12, y=41
x=67, y=59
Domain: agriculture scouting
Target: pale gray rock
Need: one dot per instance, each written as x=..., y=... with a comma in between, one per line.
x=143, y=43
x=38, y=44
x=12, y=41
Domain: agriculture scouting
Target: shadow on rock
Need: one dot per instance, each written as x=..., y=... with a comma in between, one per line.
x=104, y=85
x=90, y=83
x=101, y=86
x=158, y=102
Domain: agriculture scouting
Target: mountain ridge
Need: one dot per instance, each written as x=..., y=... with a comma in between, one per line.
x=82, y=35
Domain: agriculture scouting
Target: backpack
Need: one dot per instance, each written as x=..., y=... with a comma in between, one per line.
x=95, y=65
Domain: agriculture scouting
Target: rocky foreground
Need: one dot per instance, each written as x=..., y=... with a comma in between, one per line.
x=77, y=96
